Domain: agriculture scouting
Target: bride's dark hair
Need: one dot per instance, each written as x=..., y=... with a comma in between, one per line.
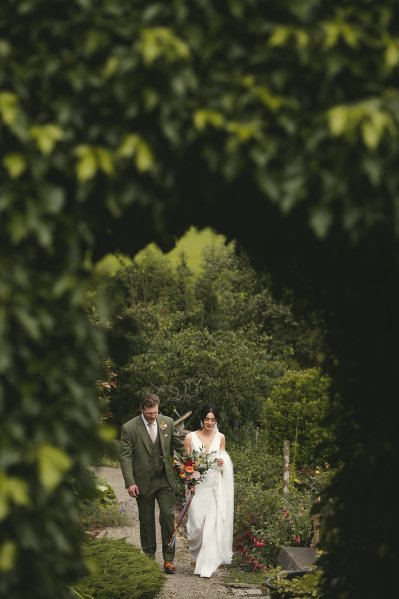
x=205, y=411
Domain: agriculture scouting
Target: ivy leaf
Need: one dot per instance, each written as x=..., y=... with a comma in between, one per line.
x=46, y=136
x=162, y=42
x=202, y=118
x=135, y=146
x=107, y=432
x=8, y=107
x=12, y=490
x=15, y=164
x=53, y=464
x=8, y=555
x=86, y=166
x=321, y=220
x=392, y=54
x=104, y=160
x=144, y=157
x=338, y=119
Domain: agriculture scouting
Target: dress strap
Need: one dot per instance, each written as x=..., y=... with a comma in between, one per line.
x=195, y=440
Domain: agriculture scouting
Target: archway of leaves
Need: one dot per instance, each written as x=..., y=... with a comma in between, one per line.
x=287, y=142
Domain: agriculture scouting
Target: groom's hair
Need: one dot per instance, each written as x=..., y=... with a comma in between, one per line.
x=150, y=400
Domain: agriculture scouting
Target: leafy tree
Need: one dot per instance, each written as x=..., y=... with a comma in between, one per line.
x=197, y=337
x=234, y=295
x=50, y=423
x=232, y=369
x=192, y=245
x=296, y=410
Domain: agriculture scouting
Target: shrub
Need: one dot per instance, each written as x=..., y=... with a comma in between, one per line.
x=255, y=465
x=268, y=519
x=314, y=480
x=118, y=570
x=94, y=515
x=110, y=458
x=299, y=587
x=102, y=508
x=296, y=411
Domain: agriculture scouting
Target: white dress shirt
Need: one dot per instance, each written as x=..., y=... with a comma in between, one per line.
x=147, y=425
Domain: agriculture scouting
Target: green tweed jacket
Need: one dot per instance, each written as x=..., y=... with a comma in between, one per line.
x=136, y=451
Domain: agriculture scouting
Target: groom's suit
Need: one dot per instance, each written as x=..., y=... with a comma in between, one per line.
x=143, y=464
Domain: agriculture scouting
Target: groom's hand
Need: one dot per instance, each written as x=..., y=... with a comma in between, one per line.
x=133, y=491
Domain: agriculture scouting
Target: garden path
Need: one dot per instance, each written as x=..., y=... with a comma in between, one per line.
x=183, y=584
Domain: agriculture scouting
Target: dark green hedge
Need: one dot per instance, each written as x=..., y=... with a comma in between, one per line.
x=119, y=570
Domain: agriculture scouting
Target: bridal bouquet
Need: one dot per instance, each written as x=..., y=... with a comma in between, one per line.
x=192, y=467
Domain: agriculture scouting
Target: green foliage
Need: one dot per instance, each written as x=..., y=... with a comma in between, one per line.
x=194, y=243
x=266, y=520
x=101, y=508
x=118, y=570
x=110, y=264
x=94, y=515
x=50, y=422
x=235, y=574
x=109, y=461
x=105, y=105
x=253, y=465
x=194, y=366
x=307, y=585
x=111, y=456
x=315, y=480
x=50, y=413
x=183, y=333
x=220, y=291
x=296, y=410
x=104, y=492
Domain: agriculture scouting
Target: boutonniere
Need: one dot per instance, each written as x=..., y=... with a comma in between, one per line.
x=163, y=426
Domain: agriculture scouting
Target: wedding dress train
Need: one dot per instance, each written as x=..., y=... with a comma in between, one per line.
x=210, y=518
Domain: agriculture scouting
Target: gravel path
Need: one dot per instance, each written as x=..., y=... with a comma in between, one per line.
x=183, y=584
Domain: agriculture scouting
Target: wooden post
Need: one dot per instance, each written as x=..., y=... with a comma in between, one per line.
x=316, y=527
x=286, y=475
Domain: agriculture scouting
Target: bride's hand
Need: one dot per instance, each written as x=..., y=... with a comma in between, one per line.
x=220, y=461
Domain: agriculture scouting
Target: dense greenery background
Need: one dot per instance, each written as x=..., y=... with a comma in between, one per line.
x=207, y=330
x=276, y=123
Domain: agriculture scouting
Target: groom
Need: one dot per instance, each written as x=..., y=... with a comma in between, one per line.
x=145, y=441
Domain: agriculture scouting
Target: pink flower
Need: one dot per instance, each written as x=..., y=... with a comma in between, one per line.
x=297, y=539
x=196, y=475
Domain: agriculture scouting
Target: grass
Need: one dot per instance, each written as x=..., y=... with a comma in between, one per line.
x=109, y=462
x=117, y=570
x=93, y=515
x=235, y=574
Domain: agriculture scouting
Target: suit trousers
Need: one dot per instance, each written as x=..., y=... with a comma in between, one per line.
x=161, y=491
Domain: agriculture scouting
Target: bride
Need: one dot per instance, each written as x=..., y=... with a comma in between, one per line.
x=210, y=518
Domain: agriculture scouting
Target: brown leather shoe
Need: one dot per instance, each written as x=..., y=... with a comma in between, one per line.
x=169, y=567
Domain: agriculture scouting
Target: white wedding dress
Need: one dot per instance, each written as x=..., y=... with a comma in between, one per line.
x=210, y=517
